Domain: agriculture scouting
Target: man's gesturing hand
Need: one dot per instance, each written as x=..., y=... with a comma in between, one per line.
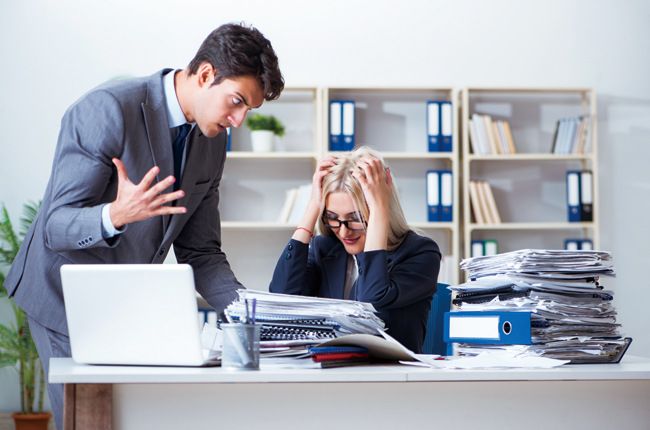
x=140, y=202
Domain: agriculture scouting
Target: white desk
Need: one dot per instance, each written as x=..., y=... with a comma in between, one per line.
x=608, y=396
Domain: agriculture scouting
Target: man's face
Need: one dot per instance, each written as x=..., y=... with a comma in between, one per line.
x=217, y=107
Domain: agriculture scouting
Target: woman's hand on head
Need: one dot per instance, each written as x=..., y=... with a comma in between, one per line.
x=322, y=170
x=377, y=184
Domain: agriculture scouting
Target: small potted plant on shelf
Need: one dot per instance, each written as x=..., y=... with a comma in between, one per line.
x=263, y=128
x=17, y=348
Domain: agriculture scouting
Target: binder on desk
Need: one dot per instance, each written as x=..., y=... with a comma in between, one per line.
x=586, y=196
x=348, y=126
x=433, y=195
x=446, y=195
x=433, y=125
x=505, y=327
x=573, y=195
x=336, y=125
x=446, y=126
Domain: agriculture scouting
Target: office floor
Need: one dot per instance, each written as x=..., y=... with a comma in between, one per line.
x=7, y=423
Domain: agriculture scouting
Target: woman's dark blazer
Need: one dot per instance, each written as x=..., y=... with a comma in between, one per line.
x=400, y=283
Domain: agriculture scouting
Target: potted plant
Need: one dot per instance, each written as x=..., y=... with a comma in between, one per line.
x=17, y=348
x=263, y=128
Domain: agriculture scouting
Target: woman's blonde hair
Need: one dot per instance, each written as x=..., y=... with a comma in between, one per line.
x=340, y=179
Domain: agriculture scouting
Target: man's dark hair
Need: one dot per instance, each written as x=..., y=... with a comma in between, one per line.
x=235, y=50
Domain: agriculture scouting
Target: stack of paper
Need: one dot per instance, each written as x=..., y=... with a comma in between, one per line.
x=542, y=263
x=571, y=315
x=345, y=316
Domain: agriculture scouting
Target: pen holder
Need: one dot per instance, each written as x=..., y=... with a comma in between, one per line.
x=241, y=346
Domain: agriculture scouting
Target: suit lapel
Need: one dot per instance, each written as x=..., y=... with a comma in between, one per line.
x=155, y=118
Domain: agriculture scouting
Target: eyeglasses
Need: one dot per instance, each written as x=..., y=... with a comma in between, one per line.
x=352, y=224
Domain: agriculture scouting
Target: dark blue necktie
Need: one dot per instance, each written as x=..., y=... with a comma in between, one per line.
x=178, y=146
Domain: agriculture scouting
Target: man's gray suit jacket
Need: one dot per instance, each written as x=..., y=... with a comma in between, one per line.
x=125, y=119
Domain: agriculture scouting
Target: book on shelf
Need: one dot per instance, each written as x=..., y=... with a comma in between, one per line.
x=580, y=199
x=289, y=199
x=572, y=136
x=481, y=248
x=439, y=195
x=483, y=204
x=439, y=126
x=342, y=119
x=207, y=316
x=295, y=204
x=433, y=126
x=490, y=137
x=579, y=245
x=446, y=273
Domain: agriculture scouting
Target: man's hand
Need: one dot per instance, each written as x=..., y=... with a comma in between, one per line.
x=140, y=202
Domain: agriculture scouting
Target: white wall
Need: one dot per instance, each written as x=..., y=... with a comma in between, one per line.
x=52, y=52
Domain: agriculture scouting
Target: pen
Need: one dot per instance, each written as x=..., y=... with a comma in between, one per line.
x=253, y=315
x=247, y=315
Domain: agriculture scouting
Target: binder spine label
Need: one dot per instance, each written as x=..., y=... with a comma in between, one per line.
x=348, y=126
x=573, y=195
x=446, y=126
x=433, y=196
x=433, y=126
x=335, y=126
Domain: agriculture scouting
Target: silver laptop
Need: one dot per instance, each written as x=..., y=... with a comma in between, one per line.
x=132, y=314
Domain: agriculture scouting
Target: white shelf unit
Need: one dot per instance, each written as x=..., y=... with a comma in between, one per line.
x=530, y=186
x=393, y=121
x=254, y=184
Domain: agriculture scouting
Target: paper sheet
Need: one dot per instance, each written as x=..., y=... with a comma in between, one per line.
x=490, y=361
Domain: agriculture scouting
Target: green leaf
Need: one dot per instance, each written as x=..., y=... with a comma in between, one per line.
x=265, y=122
x=3, y=290
x=7, y=236
x=30, y=209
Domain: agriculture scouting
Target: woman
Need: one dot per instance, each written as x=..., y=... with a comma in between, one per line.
x=366, y=251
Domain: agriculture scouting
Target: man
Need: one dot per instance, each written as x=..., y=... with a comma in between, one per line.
x=93, y=211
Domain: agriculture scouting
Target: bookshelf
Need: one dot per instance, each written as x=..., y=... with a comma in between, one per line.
x=254, y=183
x=529, y=186
x=391, y=120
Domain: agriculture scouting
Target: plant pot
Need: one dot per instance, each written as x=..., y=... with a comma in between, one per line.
x=31, y=421
x=262, y=140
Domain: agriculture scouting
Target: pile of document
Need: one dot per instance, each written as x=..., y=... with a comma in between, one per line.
x=306, y=317
x=571, y=314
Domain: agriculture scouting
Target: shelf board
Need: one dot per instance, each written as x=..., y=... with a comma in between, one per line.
x=432, y=225
x=532, y=226
x=256, y=225
x=530, y=157
x=284, y=155
x=403, y=89
x=549, y=90
x=409, y=155
x=269, y=225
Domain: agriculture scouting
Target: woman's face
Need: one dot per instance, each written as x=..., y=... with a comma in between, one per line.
x=339, y=206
